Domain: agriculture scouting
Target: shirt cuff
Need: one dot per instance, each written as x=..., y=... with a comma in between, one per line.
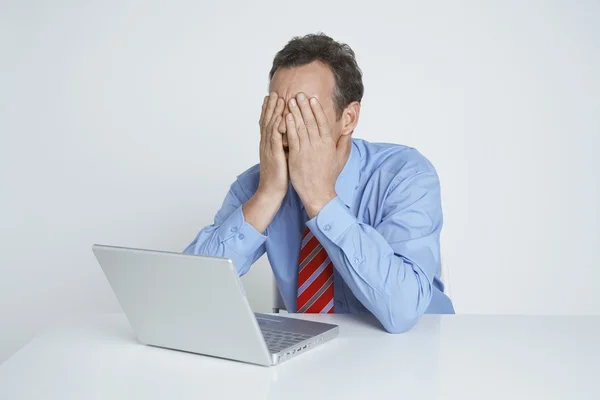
x=332, y=221
x=239, y=235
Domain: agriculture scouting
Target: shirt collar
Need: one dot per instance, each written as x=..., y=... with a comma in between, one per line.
x=348, y=180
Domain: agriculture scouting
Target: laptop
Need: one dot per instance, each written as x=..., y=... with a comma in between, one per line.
x=197, y=304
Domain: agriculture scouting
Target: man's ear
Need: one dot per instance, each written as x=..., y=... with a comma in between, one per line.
x=350, y=118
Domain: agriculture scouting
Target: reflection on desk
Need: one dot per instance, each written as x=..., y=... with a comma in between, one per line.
x=443, y=357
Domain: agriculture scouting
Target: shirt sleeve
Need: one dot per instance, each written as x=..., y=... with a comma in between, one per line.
x=389, y=267
x=230, y=236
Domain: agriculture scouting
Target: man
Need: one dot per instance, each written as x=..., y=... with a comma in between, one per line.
x=348, y=226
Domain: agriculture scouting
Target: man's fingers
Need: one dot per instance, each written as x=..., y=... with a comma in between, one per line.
x=321, y=118
x=273, y=124
x=292, y=133
x=309, y=119
x=262, y=111
x=279, y=104
x=276, y=140
x=279, y=108
x=270, y=109
x=301, y=132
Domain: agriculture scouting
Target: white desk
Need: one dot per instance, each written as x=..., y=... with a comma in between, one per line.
x=443, y=357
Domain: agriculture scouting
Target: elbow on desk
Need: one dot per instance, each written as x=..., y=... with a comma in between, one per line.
x=401, y=324
x=400, y=319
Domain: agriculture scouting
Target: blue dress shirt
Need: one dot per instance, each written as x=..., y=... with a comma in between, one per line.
x=381, y=231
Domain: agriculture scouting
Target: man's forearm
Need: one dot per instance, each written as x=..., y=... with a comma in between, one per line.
x=260, y=210
x=396, y=291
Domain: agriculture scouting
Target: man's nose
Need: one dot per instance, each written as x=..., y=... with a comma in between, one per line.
x=282, y=128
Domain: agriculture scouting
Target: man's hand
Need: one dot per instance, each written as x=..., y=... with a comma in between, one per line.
x=315, y=159
x=262, y=207
x=273, y=165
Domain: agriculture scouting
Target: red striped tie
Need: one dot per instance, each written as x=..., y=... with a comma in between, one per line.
x=315, y=277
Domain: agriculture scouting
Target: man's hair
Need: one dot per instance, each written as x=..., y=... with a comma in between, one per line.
x=340, y=58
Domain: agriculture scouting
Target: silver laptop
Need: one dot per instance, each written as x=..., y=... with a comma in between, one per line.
x=197, y=304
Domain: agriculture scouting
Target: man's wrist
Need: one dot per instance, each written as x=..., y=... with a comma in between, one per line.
x=265, y=196
x=314, y=206
x=260, y=210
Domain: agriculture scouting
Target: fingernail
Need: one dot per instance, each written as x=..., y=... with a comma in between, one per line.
x=293, y=103
x=301, y=97
x=313, y=101
x=289, y=117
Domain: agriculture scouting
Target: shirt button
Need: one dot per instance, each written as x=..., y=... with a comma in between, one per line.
x=356, y=260
x=241, y=236
x=339, y=303
x=327, y=227
x=234, y=229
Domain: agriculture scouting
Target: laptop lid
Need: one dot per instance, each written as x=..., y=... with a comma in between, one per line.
x=184, y=302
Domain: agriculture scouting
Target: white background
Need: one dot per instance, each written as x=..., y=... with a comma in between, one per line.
x=124, y=122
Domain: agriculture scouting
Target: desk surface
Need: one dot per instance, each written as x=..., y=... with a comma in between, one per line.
x=443, y=357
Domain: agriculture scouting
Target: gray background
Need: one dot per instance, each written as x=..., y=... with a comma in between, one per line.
x=124, y=122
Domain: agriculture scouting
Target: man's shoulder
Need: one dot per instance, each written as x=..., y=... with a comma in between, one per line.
x=249, y=180
x=251, y=174
x=395, y=159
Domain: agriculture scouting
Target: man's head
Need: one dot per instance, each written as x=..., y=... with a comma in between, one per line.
x=320, y=67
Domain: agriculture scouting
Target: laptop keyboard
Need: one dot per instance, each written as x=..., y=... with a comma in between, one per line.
x=281, y=340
